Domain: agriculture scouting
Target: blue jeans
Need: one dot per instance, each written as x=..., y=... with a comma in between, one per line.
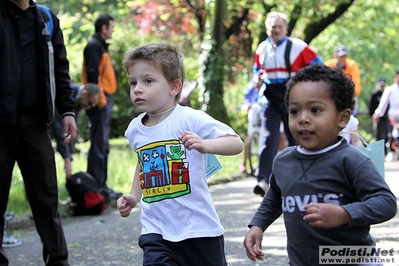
x=100, y=127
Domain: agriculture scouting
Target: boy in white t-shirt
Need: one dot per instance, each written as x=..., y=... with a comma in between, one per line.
x=180, y=225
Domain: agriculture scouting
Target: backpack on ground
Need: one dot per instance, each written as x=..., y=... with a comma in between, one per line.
x=85, y=194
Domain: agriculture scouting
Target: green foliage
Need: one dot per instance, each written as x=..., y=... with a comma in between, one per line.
x=368, y=29
x=212, y=83
x=374, y=46
x=123, y=109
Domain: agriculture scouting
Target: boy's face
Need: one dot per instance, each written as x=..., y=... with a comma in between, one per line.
x=88, y=102
x=150, y=92
x=314, y=120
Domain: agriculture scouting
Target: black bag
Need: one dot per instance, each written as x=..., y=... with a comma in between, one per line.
x=85, y=194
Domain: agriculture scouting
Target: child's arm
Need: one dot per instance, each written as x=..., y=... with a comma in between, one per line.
x=375, y=201
x=269, y=210
x=226, y=145
x=253, y=243
x=326, y=215
x=126, y=203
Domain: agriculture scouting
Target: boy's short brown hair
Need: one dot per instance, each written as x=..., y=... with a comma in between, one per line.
x=164, y=56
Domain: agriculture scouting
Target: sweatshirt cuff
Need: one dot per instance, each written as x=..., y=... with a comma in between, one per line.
x=68, y=114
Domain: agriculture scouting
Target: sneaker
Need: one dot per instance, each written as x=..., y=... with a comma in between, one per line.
x=10, y=241
x=9, y=215
x=261, y=188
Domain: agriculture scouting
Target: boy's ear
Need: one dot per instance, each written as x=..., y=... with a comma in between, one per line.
x=84, y=93
x=177, y=85
x=344, y=117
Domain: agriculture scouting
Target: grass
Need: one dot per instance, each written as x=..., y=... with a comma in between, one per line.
x=121, y=165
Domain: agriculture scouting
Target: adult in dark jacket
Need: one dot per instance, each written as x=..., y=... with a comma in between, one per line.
x=98, y=69
x=34, y=80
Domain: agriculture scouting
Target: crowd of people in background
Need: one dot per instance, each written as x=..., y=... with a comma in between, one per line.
x=275, y=62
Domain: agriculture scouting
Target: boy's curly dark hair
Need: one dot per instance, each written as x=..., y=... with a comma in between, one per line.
x=341, y=88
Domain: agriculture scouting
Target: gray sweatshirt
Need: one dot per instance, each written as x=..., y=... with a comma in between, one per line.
x=343, y=176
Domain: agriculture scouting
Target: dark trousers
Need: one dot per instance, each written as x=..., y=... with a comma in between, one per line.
x=28, y=144
x=100, y=126
x=383, y=130
x=274, y=114
x=201, y=251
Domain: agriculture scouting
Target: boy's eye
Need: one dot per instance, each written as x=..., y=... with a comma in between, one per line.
x=316, y=110
x=147, y=81
x=133, y=83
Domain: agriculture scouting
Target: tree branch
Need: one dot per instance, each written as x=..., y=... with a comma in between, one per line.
x=316, y=27
x=235, y=27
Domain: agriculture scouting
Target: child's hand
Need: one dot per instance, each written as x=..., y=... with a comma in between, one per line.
x=191, y=141
x=125, y=204
x=326, y=215
x=253, y=243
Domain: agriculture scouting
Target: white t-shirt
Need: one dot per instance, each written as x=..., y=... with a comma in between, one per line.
x=176, y=202
x=390, y=97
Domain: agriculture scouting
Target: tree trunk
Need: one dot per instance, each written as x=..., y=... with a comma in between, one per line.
x=213, y=71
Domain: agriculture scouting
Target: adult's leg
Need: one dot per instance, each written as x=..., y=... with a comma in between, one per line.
x=290, y=139
x=272, y=134
x=36, y=160
x=8, y=140
x=384, y=125
x=100, y=124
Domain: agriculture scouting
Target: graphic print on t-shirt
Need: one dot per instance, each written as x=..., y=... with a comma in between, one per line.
x=163, y=173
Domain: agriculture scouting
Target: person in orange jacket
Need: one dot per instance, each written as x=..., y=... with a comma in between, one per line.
x=98, y=69
x=350, y=68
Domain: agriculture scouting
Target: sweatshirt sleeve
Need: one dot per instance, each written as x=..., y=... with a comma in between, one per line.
x=383, y=105
x=376, y=203
x=270, y=208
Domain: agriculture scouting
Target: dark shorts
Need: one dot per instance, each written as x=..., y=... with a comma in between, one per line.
x=194, y=251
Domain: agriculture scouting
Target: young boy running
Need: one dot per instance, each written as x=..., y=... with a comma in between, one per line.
x=329, y=191
x=180, y=225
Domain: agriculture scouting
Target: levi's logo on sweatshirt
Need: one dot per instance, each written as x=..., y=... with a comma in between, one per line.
x=290, y=203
